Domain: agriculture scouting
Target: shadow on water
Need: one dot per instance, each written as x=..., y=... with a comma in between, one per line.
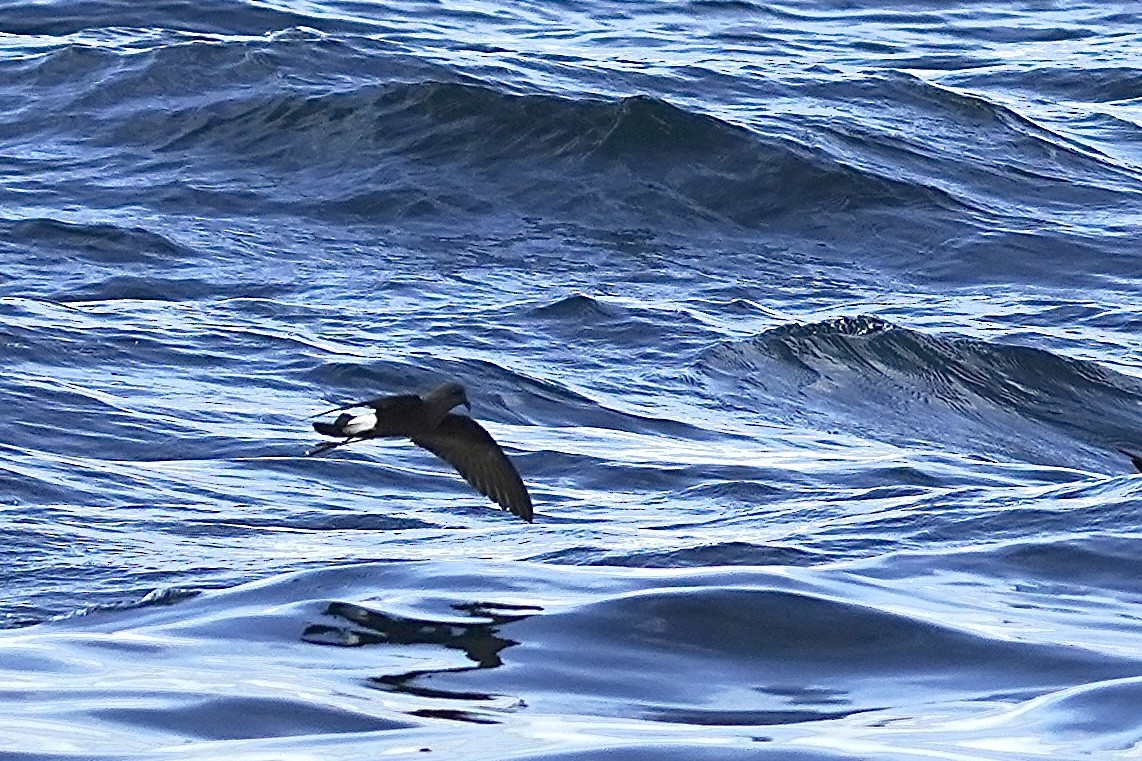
x=638, y=683
x=479, y=641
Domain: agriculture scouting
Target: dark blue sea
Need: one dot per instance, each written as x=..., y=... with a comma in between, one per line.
x=814, y=328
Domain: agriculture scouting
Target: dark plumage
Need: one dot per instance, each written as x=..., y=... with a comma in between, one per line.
x=457, y=439
x=1136, y=459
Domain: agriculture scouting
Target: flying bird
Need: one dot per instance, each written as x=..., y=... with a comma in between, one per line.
x=428, y=420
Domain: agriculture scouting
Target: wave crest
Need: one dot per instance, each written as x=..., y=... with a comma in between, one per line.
x=951, y=390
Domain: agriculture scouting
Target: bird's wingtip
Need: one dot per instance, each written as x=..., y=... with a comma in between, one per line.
x=1135, y=458
x=324, y=412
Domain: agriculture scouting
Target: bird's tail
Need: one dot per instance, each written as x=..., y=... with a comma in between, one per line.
x=327, y=429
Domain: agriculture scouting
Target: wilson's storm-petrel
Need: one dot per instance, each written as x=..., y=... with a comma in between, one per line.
x=428, y=420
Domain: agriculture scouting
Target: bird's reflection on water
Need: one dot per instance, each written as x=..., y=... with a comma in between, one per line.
x=479, y=640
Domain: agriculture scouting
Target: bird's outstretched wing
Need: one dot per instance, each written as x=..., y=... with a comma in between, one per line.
x=1136, y=459
x=464, y=444
x=380, y=403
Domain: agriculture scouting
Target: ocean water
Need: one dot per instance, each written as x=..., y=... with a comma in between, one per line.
x=813, y=327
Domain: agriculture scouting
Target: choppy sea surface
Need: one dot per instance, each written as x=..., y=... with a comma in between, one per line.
x=813, y=327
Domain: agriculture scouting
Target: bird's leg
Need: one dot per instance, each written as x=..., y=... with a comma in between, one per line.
x=325, y=446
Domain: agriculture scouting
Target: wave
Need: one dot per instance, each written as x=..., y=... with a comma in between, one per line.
x=235, y=135
x=403, y=143
x=75, y=17
x=955, y=392
x=1107, y=83
x=144, y=288
x=1049, y=569
x=398, y=653
x=231, y=126
x=100, y=242
x=705, y=556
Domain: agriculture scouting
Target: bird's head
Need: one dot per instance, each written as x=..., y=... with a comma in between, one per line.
x=449, y=395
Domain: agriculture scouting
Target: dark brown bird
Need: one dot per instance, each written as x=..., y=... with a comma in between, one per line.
x=428, y=420
x=1136, y=459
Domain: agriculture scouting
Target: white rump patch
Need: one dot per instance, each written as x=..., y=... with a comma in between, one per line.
x=359, y=423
